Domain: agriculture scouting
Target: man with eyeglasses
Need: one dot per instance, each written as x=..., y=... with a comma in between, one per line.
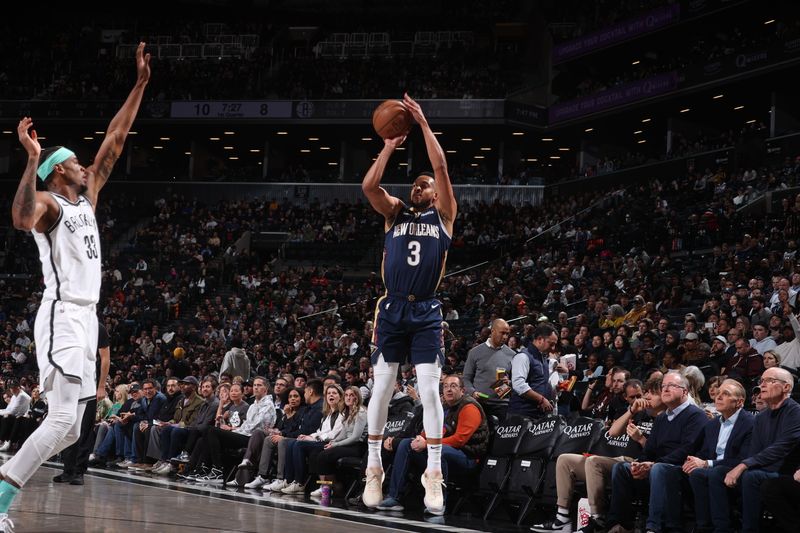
x=725, y=442
x=466, y=438
x=672, y=438
x=776, y=433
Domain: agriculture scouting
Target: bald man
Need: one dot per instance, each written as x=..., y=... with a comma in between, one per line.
x=776, y=432
x=484, y=363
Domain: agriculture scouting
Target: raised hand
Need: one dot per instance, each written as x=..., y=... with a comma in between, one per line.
x=142, y=64
x=415, y=109
x=30, y=141
x=394, y=142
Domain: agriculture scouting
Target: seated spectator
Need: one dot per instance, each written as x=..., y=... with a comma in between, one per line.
x=724, y=444
x=104, y=423
x=761, y=340
x=28, y=423
x=597, y=401
x=776, y=432
x=310, y=445
x=595, y=470
x=17, y=408
x=789, y=351
x=263, y=442
x=464, y=443
x=311, y=421
x=184, y=415
x=696, y=381
x=746, y=364
x=120, y=437
x=260, y=414
x=351, y=442
x=147, y=441
x=177, y=443
x=674, y=434
x=150, y=407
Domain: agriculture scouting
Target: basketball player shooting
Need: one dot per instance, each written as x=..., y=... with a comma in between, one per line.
x=408, y=319
x=63, y=225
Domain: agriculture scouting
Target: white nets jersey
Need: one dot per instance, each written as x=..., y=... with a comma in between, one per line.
x=70, y=254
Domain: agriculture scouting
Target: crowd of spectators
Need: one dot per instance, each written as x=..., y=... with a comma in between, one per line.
x=182, y=294
x=579, y=79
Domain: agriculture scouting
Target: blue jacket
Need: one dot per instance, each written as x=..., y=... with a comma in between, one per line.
x=672, y=442
x=150, y=412
x=776, y=434
x=738, y=442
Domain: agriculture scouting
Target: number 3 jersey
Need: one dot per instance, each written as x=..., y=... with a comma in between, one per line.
x=70, y=254
x=414, y=254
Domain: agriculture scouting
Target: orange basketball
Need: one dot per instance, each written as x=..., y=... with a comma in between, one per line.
x=391, y=119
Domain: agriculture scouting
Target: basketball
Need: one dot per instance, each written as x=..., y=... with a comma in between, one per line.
x=391, y=119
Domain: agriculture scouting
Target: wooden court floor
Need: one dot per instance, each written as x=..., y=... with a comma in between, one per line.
x=119, y=502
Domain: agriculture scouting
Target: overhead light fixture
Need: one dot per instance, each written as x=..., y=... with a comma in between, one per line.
x=473, y=164
x=738, y=107
x=401, y=148
x=486, y=149
x=88, y=138
x=555, y=157
x=229, y=132
x=642, y=141
x=466, y=139
x=41, y=137
x=563, y=149
x=282, y=133
x=636, y=62
x=645, y=120
x=751, y=121
x=587, y=130
x=99, y=132
x=158, y=147
x=233, y=158
x=8, y=132
x=770, y=21
x=637, y=132
x=437, y=132
x=547, y=139
x=478, y=157
x=164, y=139
x=313, y=138
x=531, y=160
x=227, y=147
x=333, y=163
x=403, y=164
x=305, y=151
x=518, y=133
x=366, y=138
x=254, y=150
x=717, y=97
x=213, y=138
x=450, y=151
x=686, y=109
x=324, y=147
x=129, y=133
x=187, y=153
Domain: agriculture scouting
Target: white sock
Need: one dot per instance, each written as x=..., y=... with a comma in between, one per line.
x=562, y=515
x=374, y=455
x=434, y=458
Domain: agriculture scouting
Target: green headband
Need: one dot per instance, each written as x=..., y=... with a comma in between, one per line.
x=57, y=157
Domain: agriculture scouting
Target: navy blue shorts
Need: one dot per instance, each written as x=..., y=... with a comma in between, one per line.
x=408, y=331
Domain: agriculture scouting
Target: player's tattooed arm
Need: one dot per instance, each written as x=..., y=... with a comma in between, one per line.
x=26, y=211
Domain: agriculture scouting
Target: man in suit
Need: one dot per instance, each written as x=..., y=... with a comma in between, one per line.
x=725, y=442
x=673, y=437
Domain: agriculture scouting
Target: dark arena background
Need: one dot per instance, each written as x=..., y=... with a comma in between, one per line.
x=627, y=173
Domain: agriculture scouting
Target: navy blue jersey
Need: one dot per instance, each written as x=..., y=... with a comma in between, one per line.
x=414, y=253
